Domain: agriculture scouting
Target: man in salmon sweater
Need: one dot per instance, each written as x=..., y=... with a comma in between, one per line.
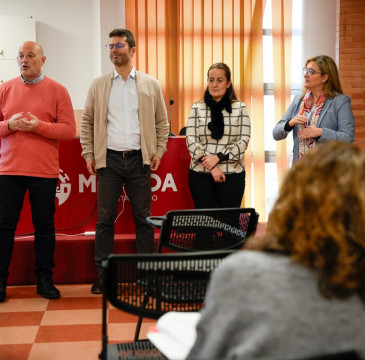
x=35, y=113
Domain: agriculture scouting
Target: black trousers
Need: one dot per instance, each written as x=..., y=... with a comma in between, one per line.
x=206, y=193
x=42, y=193
x=137, y=179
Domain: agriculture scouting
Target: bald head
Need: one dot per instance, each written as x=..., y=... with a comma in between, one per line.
x=30, y=60
x=31, y=45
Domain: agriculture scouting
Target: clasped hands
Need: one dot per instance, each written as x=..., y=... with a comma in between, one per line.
x=308, y=131
x=20, y=122
x=210, y=162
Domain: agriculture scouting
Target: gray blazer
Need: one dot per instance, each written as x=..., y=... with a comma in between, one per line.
x=336, y=120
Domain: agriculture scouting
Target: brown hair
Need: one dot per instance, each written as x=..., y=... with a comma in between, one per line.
x=319, y=218
x=327, y=65
x=227, y=72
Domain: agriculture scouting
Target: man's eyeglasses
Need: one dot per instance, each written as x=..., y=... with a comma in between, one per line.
x=117, y=46
x=310, y=71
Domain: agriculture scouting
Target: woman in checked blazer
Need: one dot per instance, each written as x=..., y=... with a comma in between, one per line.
x=217, y=136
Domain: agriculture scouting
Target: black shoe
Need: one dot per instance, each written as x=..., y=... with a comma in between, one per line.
x=46, y=289
x=97, y=287
x=2, y=292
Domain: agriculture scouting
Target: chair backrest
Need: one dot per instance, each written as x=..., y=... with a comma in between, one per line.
x=150, y=285
x=207, y=229
x=341, y=355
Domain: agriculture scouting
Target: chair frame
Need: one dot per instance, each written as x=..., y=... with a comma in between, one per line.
x=154, y=285
x=205, y=229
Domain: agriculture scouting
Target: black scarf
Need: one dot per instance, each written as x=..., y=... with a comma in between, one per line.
x=216, y=126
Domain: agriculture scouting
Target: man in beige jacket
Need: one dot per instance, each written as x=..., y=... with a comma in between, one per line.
x=124, y=132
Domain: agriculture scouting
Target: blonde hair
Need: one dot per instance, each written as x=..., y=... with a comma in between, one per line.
x=327, y=65
x=319, y=218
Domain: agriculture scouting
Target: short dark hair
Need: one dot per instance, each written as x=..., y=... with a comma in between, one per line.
x=124, y=33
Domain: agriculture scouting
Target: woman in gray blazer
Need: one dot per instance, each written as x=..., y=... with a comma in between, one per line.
x=321, y=113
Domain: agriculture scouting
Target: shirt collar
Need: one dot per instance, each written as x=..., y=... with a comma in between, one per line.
x=35, y=81
x=132, y=74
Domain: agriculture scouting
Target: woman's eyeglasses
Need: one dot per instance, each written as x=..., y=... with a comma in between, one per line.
x=310, y=71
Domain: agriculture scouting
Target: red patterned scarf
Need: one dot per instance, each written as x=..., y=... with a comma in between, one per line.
x=312, y=113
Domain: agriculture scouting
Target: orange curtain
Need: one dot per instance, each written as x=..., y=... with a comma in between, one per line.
x=177, y=41
x=155, y=25
x=282, y=29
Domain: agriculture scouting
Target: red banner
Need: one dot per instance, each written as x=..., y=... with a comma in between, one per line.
x=76, y=191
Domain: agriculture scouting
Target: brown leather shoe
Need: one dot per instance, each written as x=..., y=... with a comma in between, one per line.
x=97, y=287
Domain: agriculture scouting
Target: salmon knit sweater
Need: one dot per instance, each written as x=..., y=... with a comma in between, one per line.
x=34, y=153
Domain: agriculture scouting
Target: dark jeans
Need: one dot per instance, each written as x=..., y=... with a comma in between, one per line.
x=42, y=193
x=137, y=179
x=208, y=194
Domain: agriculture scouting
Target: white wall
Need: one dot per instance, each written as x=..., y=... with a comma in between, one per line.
x=73, y=34
x=112, y=16
x=21, y=28
x=319, y=28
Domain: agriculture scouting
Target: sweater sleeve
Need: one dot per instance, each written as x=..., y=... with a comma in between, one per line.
x=4, y=130
x=161, y=123
x=87, y=125
x=63, y=126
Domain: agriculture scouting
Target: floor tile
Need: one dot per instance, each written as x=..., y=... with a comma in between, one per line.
x=69, y=333
x=125, y=332
x=66, y=328
x=18, y=335
x=21, y=318
x=23, y=305
x=76, y=290
x=15, y=352
x=118, y=316
x=72, y=317
x=88, y=350
x=74, y=303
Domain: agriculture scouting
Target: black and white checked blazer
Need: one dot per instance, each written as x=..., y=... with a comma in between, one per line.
x=236, y=135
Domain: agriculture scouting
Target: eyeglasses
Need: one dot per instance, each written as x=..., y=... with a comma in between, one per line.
x=310, y=71
x=117, y=46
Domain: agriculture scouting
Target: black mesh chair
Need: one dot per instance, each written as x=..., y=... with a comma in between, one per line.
x=205, y=229
x=149, y=285
x=341, y=355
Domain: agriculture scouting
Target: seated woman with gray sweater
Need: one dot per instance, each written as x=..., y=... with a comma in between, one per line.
x=299, y=290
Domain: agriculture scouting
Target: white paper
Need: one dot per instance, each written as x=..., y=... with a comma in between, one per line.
x=175, y=334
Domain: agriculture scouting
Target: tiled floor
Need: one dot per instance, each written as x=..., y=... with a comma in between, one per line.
x=33, y=328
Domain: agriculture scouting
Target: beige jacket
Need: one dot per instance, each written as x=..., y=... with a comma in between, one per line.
x=152, y=113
